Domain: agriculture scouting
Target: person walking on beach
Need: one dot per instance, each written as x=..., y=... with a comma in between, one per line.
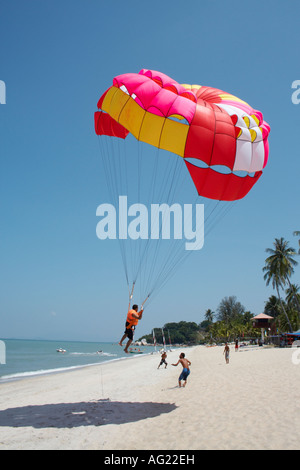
x=226, y=352
x=133, y=317
x=236, y=345
x=163, y=360
x=185, y=369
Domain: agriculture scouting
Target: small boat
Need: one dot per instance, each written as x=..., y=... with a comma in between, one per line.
x=60, y=350
x=135, y=351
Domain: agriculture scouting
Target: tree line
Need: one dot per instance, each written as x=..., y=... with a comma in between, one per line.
x=231, y=320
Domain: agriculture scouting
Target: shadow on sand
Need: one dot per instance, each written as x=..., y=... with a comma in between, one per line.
x=70, y=415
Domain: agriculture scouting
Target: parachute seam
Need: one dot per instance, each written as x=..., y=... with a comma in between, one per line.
x=160, y=136
x=142, y=123
x=212, y=149
x=156, y=93
x=123, y=109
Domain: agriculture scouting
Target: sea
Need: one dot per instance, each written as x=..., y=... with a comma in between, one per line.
x=26, y=358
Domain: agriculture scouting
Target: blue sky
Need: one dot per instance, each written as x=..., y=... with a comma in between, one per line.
x=57, y=58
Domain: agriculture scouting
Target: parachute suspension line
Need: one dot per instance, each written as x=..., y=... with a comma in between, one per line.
x=131, y=293
x=142, y=175
x=153, y=271
x=143, y=259
x=174, y=257
x=169, y=188
x=115, y=166
x=185, y=254
x=174, y=247
x=135, y=249
x=129, y=247
x=135, y=246
x=170, y=267
x=221, y=212
x=150, y=269
x=145, y=300
x=146, y=271
x=175, y=253
x=158, y=244
x=217, y=213
x=108, y=158
x=133, y=191
x=116, y=163
x=142, y=268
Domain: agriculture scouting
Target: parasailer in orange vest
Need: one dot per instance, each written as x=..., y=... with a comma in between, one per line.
x=133, y=317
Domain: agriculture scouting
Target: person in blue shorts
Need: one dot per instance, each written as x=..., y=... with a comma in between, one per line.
x=186, y=369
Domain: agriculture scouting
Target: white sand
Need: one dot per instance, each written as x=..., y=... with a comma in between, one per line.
x=252, y=403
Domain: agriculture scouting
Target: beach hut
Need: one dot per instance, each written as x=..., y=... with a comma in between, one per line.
x=263, y=322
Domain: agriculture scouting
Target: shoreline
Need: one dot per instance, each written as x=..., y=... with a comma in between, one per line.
x=40, y=373
x=251, y=403
x=44, y=370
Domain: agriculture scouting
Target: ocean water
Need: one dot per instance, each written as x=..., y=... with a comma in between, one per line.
x=24, y=358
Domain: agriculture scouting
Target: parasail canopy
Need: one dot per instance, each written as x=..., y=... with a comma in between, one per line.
x=219, y=138
x=223, y=141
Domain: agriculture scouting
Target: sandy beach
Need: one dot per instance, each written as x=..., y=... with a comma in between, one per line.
x=251, y=403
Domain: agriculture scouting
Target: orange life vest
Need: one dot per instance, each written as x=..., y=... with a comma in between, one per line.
x=131, y=320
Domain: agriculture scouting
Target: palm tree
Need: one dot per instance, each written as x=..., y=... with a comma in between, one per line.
x=284, y=257
x=293, y=295
x=297, y=234
x=209, y=316
x=272, y=306
x=279, y=267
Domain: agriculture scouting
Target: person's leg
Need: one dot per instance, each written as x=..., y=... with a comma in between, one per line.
x=123, y=337
x=187, y=373
x=180, y=379
x=127, y=345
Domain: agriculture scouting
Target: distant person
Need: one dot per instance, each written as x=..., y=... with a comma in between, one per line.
x=236, y=345
x=163, y=360
x=133, y=317
x=226, y=352
x=186, y=369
